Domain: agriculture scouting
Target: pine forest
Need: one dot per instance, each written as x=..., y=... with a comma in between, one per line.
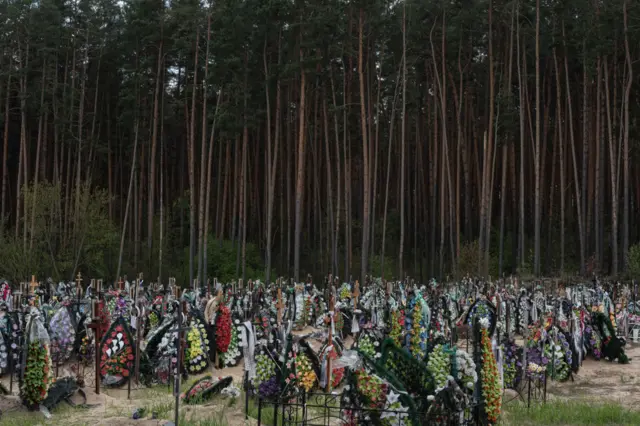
x=264, y=138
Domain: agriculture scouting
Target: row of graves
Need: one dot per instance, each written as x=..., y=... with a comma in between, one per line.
x=382, y=353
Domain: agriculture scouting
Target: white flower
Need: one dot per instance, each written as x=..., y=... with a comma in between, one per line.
x=484, y=323
x=431, y=398
x=392, y=397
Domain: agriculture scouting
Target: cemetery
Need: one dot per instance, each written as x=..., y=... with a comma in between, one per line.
x=285, y=353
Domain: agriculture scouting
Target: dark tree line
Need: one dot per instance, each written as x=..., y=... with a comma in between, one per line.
x=249, y=137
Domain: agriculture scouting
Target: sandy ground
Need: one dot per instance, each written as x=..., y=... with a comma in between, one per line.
x=602, y=381
x=598, y=381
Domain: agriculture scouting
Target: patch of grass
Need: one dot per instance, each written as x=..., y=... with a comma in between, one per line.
x=570, y=413
x=219, y=420
x=61, y=413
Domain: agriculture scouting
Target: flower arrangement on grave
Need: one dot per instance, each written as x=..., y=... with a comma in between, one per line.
x=62, y=335
x=491, y=388
x=118, y=306
x=269, y=388
x=230, y=357
x=338, y=320
x=16, y=349
x=306, y=310
x=439, y=365
x=394, y=412
x=223, y=329
x=265, y=369
x=86, y=347
x=37, y=374
x=536, y=335
x=117, y=354
x=196, y=359
x=523, y=314
x=557, y=368
x=345, y=291
x=417, y=332
x=466, y=370
x=536, y=363
x=4, y=355
x=166, y=357
x=204, y=389
x=372, y=388
x=154, y=320
x=397, y=325
x=366, y=345
x=593, y=342
x=337, y=371
x=304, y=376
x=512, y=365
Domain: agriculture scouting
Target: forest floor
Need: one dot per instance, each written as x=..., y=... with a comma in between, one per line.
x=602, y=393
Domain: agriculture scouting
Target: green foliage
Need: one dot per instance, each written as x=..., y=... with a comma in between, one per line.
x=89, y=243
x=222, y=260
x=556, y=412
x=634, y=261
x=470, y=264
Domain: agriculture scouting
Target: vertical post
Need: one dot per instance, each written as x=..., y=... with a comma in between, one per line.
x=176, y=386
x=279, y=306
x=78, y=285
x=330, y=342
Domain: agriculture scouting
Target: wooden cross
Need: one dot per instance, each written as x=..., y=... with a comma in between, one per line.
x=356, y=294
x=250, y=285
x=279, y=306
x=33, y=285
x=98, y=287
x=120, y=283
x=79, y=283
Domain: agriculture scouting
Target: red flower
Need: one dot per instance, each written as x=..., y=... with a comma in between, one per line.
x=119, y=328
x=130, y=357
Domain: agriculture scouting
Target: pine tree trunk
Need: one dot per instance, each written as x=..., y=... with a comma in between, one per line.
x=203, y=160
x=365, y=156
x=129, y=194
x=402, y=141
x=300, y=172
x=38, y=148
x=537, y=150
x=5, y=148
x=154, y=142
x=625, y=144
x=192, y=171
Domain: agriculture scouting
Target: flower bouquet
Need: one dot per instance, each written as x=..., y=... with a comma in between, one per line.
x=196, y=359
x=439, y=365
x=233, y=354
x=223, y=329
x=62, y=335
x=466, y=375
x=37, y=374
x=117, y=354
x=397, y=325
x=265, y=369
x=304, y=376
x=491, y=389
x=204, y=389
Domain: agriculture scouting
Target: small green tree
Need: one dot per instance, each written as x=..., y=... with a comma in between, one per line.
x=89, y=246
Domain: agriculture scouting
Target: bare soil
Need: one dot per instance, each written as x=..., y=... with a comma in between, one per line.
x=597, y=381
